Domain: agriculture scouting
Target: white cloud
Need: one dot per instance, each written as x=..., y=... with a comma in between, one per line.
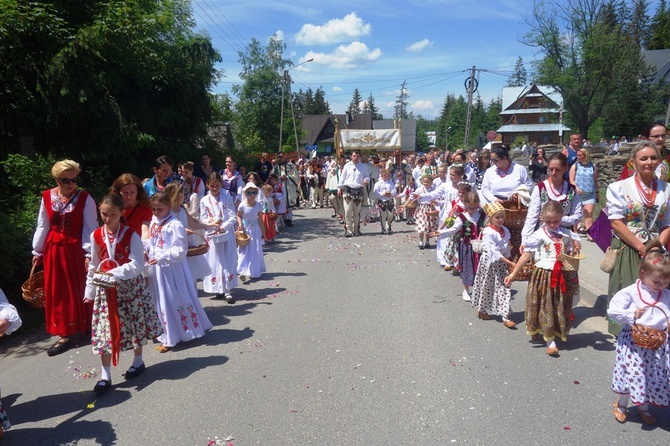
x=338, y=89
x=419, y=46
x=425, y=107
x=279, y=34
x=349, y=56
x=334, y=31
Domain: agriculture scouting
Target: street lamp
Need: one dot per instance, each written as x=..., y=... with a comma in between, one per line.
x=446, y=138
x=287, y=79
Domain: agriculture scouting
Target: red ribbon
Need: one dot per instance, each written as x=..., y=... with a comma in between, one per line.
x=557, y=277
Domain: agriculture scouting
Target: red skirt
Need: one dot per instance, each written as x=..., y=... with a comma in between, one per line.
x=64, y=285
x=270, y=228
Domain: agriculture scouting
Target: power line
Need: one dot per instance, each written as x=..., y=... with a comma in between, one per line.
x=212, y=25
x=222, y=19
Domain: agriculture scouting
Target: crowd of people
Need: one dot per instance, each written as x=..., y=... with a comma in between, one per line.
x=133, y=278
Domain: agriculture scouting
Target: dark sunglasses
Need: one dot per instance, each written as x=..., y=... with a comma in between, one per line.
x=74, y=180
x=251, y=193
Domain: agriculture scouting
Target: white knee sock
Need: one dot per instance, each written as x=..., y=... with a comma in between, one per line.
x=106, y=373
x=137, y=360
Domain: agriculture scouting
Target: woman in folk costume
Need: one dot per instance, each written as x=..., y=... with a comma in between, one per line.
x=217, y=208
x=65, y=221
x=490, y=294
x=172, y=287
x=124, y=316
x=637, y=209
x=549, y=296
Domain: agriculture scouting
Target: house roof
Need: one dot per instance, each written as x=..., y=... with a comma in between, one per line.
x=529, y=111
x=313, y=125
x=659, y=61
x=529, y=128
x=510, y=95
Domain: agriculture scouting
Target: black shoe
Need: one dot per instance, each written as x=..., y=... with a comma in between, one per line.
x=59, y=347
x=133, y=372
x=348, y=234
x=427, y=246
x=358, y=234
x=390, y=231
x=341, y=221
x=229, y=298
x=333, y=215
x=288, y=223
x=422, y=247
x=102, y=386
x=384, y=232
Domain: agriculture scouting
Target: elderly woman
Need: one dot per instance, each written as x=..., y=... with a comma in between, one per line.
x=62, y=241
x=136, y=210
x=503, y=178
x=637, y=209
x=584, y=175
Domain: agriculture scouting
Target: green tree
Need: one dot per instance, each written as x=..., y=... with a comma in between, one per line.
x=660, y=28
x=519, y=76
x=355, y=104
x=105, y=81
x=588, y=56
x=370, y=107
x=402, y=103
x=321, y=106
x=638, y=25
x=259, y=97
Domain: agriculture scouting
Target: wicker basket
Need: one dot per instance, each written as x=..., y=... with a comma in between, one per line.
x=524, y=274
x=104, y=279
x=515, y=213
x=242, y=239
x=648, y=337
x=200, y=249
x=571, y=261
x=477, y=245
x=33, y=289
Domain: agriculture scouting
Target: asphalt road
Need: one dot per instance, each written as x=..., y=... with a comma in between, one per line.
x=361, y=341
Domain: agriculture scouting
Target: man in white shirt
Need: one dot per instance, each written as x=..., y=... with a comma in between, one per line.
x=355, y=176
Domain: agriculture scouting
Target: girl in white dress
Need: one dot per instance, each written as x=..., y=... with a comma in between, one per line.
x=217, y=208
x=490, y=294
x=197, y=264
x=175, y=296
x=642, y=374
x=250, y=262
x=425, y=224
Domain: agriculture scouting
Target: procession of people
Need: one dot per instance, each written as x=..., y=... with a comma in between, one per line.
x=134, y=279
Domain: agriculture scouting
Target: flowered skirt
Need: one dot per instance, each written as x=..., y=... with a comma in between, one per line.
x=548, y=309
x=641, y=372
x=450, y=253
x=424, y=223
x=489, y=292
x=138, y=320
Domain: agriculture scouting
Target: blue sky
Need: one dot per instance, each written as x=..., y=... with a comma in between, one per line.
x=375, y=45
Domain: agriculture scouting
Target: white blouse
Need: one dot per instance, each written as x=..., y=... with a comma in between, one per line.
x=624, y=202
x=624, y=303
x=169, y=244
x=44, y=225
x=541, y=244
x=382, y=187
x=535, y=208
x=494, y=184
x=496, y=245
x=122, y=272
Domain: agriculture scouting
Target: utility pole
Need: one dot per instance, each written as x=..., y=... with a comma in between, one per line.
x=286, y=79
x=471, y=88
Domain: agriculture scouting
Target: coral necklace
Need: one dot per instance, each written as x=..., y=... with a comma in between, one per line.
x=639, y=293
x=500, y=231
x=559, y=192
x=648, y=194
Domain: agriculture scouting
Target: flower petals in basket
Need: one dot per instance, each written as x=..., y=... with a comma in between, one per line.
x=33, y=289
x=242, y=239
x=200, y=249
x=104, y=279
x=570, y=261
x=217, y=237
x=477, y=245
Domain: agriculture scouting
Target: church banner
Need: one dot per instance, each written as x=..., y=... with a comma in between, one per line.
x=380, y=140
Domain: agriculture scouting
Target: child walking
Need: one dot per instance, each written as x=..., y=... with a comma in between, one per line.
x=268, y=209
x=408, y=205
x=426, y=224
x=217, y=208
x=549, y=296
x=467, y=225
x=250, y=261
x=124, y=316
x=641, y=374
x=175, y=296
x=385, y=192
x=490, y=293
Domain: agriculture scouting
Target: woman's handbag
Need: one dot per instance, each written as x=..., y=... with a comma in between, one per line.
x=609, y=259
x=601, y=231
x=652, y=338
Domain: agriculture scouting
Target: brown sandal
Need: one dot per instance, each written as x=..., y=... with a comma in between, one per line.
x=620, y=412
